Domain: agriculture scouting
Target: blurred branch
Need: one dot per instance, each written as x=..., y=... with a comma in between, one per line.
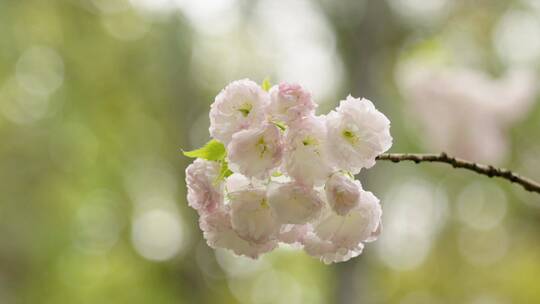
x=526, y=183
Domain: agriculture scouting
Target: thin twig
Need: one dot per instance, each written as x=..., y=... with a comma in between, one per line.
x=487, y=170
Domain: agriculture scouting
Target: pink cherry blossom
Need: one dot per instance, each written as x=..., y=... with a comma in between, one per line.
x=329, y=252
x=357, y=133
x=218, y=232
x=204, y=192
x=254, y=152
x=306, y=157
x=359, y=225
x=293, y=234
x=294, y=203
x=342, y=193
x=251, y=216
x=290, y=102
x=241, y=105
x=465, y=111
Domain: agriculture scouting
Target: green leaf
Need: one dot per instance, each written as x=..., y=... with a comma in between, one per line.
x=266, y=84
x=212, y=150
x=224, y=172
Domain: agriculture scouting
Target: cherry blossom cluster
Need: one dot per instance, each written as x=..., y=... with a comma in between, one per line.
x=275, y=172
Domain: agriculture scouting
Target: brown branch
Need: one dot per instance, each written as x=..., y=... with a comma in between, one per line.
x=487, y=170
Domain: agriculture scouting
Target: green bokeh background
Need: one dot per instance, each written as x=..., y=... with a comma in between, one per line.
x=91, y=129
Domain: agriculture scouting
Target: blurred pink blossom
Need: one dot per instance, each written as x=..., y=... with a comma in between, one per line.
x=466, y=112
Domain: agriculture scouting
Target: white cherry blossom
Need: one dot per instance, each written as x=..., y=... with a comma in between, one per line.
x=241, y=105
x=237, y=182
x=289, y=102
x=293, y=203
x=205, y=193
x=343, y=193
x=293, y=234
x=254, y=152
x=306, y=156
x=251, y=216
x=359, y=225
x=218, y=232
x=329, y=252
x=357, y=133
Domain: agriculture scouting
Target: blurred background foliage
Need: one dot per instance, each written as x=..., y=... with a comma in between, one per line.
x=98, y=96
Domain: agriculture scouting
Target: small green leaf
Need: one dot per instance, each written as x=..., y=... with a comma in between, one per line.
x=224, y=171
x=281, y=125
x=266, y=85
x=212, y=150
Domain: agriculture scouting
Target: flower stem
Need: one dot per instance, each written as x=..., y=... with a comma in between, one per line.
x=488, y=170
